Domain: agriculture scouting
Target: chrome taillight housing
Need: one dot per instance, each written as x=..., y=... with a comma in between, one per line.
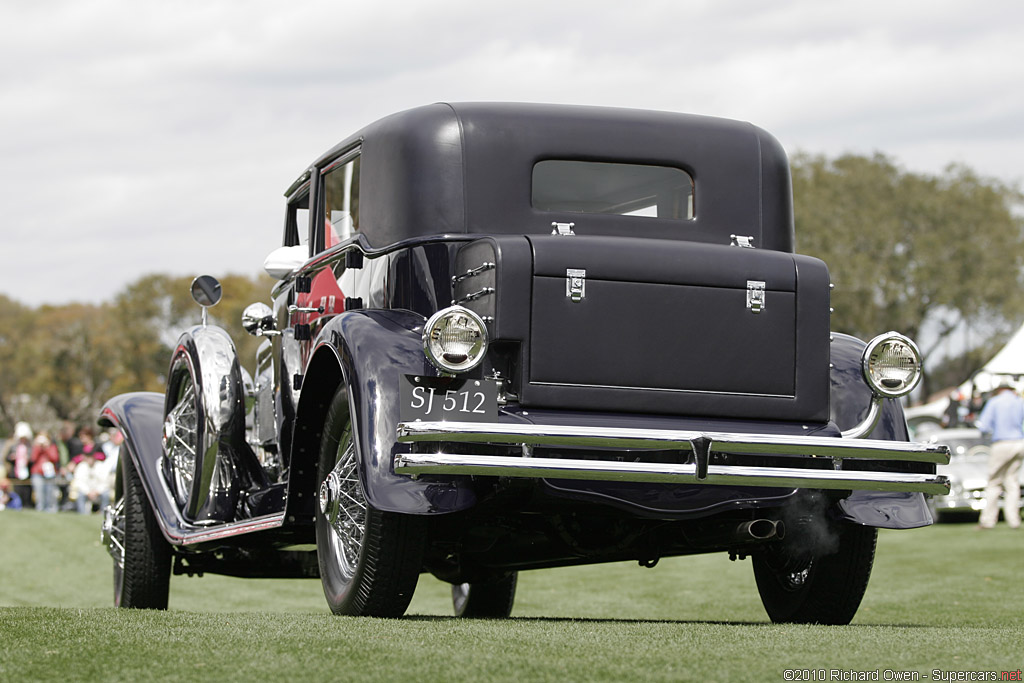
x=892, y=365
x=455, y=339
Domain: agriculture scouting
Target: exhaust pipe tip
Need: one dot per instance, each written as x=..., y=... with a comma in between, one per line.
x=762, y=529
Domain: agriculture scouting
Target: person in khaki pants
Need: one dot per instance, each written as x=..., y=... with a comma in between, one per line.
x=1003, y=419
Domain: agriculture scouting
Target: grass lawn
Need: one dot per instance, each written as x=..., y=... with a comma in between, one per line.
x=944, y=598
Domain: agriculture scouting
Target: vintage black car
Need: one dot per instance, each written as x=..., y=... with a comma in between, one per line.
x=511, y=337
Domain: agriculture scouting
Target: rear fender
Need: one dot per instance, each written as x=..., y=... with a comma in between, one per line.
x=367, y=352
x=851, y=396
x=851, y=402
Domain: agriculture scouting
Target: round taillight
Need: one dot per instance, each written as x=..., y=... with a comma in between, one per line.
x=892, y=365
x=455, y=339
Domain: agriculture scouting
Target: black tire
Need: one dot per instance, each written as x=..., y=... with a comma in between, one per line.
x=485, y=599
x=142, y=557
x=818, y=586
x=369, y=560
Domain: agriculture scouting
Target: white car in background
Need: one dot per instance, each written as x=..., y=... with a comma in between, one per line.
x=967, y=471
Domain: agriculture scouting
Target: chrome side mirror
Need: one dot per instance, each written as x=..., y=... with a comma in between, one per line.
x=206, y=292
x=284, y=260
x=258, y=320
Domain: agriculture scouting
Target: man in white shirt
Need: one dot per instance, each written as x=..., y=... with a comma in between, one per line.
x=1003, y=419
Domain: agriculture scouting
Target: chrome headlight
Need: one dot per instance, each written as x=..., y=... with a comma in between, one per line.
x=455, y=339
x=892, y=365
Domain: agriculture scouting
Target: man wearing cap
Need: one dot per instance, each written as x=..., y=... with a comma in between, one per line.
x=1003, y=419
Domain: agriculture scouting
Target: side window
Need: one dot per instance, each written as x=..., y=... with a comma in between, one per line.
x=341, y=201
x=614, y=188
x=296, y=227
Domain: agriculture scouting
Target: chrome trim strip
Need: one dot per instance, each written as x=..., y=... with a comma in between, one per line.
x=182, y=532
x=556, y=468
x=342, y=158
x=205, y=534
x=720, y=442
x=663, y=390
x=484, y=267
x=473, y=296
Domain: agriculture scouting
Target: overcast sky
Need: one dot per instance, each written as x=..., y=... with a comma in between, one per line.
x=140, y=137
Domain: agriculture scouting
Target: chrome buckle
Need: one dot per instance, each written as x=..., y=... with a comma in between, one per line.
x=575, y=284
x=755, y=296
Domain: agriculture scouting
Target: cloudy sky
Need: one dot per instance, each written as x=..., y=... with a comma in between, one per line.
x=140, y=136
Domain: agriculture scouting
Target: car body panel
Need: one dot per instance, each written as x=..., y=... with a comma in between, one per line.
x=611, y=328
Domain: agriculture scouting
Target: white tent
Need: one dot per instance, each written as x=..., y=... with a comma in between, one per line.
x=1008, y=363
x=1010, y=359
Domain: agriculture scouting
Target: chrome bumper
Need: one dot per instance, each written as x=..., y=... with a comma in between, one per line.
x=702, y=446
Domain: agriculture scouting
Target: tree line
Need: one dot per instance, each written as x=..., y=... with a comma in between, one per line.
x=62, y=362
x=907, y=251
x=926, y=255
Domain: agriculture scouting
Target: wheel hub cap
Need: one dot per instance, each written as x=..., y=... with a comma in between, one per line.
x=330, y=491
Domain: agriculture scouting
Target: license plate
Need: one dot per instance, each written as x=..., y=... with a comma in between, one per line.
x=452, y=399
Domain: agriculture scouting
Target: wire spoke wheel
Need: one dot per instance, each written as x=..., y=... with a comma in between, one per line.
x=792, y=569
x=491, y=599
x=369, y=560
x=343, y=504
x=112, y=534
x=181, y=439
x=820, y=585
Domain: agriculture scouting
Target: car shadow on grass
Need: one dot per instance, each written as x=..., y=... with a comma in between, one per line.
x=644, y=621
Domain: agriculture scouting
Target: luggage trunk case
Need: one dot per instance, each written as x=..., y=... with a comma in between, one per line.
x=677, y=327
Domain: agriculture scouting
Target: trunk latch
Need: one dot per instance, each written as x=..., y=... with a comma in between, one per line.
x=575, y=283
x=755, y=296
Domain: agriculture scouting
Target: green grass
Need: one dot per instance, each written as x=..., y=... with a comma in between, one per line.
x=945, y=597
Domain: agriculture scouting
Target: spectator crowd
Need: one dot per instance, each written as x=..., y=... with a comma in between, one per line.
x=74, y=470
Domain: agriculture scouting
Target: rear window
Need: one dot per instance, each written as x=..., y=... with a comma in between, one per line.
x=612, y=188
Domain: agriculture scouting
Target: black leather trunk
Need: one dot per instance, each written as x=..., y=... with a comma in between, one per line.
x=666, y=327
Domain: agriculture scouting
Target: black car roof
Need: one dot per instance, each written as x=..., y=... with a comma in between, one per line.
x=466, y=168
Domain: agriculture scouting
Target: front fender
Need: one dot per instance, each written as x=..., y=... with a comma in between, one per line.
x=851, y=402
x=367, y=352
x=140, y=417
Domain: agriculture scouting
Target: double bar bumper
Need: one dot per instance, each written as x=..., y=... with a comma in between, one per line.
x=701, y=470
